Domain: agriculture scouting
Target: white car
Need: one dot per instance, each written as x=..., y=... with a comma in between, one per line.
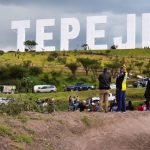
x=44, y=88
x=113, y=86
x=4, y=100
x=110, y=98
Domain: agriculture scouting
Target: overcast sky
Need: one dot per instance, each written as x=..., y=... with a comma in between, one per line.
x=115, y=10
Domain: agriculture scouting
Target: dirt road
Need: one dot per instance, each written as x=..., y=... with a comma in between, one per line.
x=84, y=131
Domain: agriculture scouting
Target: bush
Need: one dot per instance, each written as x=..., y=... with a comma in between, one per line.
x=62, y=60
x=26, y=50
x=35, y=70
x=85, y=120
x=45, y=78
x=11, y=51
x=1, y=88
x=27, y=63
x=1, y=52
x=4, y=73
x=50, y=58
x=12, y=108
x=18, y=72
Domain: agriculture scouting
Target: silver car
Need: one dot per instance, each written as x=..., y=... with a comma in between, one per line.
x=44, y=88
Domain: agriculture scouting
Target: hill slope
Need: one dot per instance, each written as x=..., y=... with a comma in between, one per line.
x=82, y=131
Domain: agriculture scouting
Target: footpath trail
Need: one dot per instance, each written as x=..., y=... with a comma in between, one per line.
x=130, y=131
x=81, y=131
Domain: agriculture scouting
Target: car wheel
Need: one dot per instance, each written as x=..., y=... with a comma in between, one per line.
x=51, y=91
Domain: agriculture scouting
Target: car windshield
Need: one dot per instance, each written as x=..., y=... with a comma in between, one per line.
x=52, y=86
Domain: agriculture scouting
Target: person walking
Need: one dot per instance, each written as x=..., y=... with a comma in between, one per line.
x=121, y=89
x=104, y=86
x=147, y=95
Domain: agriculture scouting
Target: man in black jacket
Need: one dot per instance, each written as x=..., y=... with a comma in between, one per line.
x=104, y=86
x=147, y=95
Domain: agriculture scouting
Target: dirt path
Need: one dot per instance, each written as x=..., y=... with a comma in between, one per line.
x=82, y=131
x=130, y=131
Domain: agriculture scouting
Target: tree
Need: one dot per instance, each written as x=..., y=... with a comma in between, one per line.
x=53, y=56
x=131, y=66
x=73, y=68
x=114, y=67
x=94, y=68
x=27, y=83
x=86, y=63
x=30, y=44
x=85, y=46
x=114, y=47
x=139, y=65
x=147, y=69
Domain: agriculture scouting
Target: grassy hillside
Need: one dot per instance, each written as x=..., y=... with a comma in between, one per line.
x=40, y=58
x=54, y=70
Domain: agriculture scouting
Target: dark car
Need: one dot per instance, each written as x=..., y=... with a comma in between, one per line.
x=140, y=83
x=79, y=87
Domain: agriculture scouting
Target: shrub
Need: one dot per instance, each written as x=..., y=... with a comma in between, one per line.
x=18, y=72
x=4, y=73
x=1, y=88
x=27, y=63
x=73, y=68
x=26, y=50
x=45, y=78
x=22, y=138
x=62, y=60
x=50, y=58
x=17, y=137
x=12, y=108
x=35, y=70
x=1, y=52
x=5, y=130
x=85, y=120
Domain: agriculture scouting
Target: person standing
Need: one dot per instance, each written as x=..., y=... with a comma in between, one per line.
x=121, y=89
x=104, y=86
x=147, y=95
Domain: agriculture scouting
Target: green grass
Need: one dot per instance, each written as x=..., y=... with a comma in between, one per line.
x=85, y=120
x=7, y=131
x=22, y=138
x=22, y=118
x=40, y=59
x=25, y=102
x=135, y=93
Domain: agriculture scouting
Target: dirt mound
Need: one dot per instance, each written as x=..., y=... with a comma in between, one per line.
x=79, y=131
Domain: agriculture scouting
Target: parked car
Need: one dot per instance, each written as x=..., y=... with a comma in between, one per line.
x=10, y=89
x=140, y=83
x=111, y=98
x=44, y=88
x=5, y=101
x=79, y=87
x=113, y=86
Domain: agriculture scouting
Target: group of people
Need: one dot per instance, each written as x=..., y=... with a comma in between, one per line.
x=88, y=104
x=104, y=87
